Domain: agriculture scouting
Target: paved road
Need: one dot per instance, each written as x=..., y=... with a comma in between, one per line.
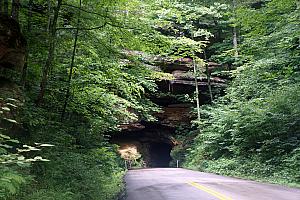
x=181, y=184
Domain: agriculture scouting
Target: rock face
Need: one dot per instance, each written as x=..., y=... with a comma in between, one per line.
x=12, y=59
x=154, y=141
x=12, y=44
x=174, y=114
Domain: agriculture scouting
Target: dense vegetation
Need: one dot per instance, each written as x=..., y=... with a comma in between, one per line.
x=253, y=131
x=82, y=79
x=79, y=83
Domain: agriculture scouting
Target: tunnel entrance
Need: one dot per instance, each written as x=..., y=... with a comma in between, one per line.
x=153, y=154
x=154, y=143
x=159, y=154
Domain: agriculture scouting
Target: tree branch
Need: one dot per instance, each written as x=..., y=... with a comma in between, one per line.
x=82, y=29
x=97, y=27
x=90, y=12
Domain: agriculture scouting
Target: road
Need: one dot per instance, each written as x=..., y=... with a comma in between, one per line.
x=182, y=184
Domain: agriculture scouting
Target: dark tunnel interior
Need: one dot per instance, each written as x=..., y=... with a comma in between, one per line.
x=159, y=154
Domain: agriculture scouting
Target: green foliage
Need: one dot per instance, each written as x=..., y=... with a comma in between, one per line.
x=256, y=124
x=181, y=19
x=10, y=182
x=10, y=179
x=262, y=130
x=12, y=160
x=105, y=88
x=187, y=27
x=253, y=131
x=184, y=137
x=90, y=174
x=49, y=194
x=82, y=165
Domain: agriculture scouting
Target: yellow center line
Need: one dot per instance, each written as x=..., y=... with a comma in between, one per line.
x=209, y=191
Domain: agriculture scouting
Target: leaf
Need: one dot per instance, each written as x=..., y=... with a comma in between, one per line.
x=5, y=108
x=21, y=158
x=12, y=105
x=11, y=99
x=11, y=120
x=14, y=141
x=6, y=146
x=23, y=150
x=34, y=149
x=46, y=145
x=4, y=136
x=39, y=158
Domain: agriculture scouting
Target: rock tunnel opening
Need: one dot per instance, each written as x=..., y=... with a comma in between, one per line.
x=153, y=154
x=159, y=154
x=151, y=145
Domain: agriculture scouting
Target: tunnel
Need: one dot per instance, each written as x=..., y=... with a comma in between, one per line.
x=152, y=144
x=153, y=154
x=159, y=154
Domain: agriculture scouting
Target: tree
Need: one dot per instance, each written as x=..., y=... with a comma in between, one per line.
x=51, y=49
x=72, y=63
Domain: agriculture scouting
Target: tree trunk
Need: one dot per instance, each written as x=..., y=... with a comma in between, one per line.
x=209, y=83
x=29, y=15
x=72, y=65
x=15, y=9
x=48, y=64
x=235, y=42
x=197, y=89
x=208, y=74
x=234, y=32
x=1, y=6
x=49, y=16
x=24, y=72
x=5, y=8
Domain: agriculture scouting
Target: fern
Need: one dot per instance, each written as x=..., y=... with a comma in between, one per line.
x=10, y=182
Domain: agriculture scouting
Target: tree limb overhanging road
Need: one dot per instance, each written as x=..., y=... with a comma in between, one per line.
x=182, y=184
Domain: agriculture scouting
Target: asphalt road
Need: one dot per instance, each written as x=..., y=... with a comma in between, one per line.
x=181, y=184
